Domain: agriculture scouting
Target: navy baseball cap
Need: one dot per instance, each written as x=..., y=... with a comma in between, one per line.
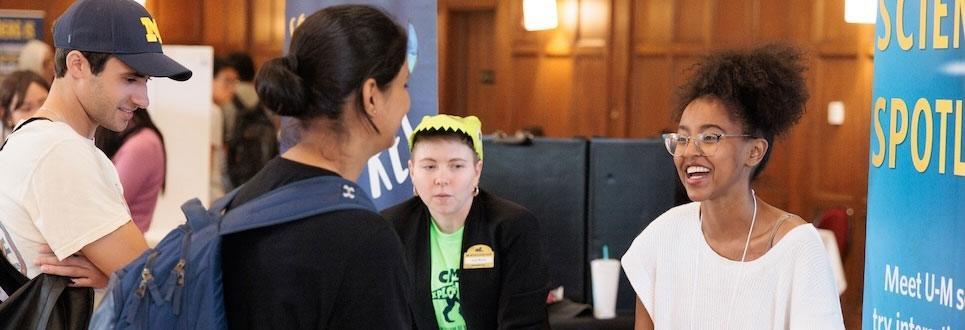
x=119, y=27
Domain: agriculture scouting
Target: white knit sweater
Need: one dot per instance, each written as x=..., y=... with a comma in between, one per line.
x=684, y=284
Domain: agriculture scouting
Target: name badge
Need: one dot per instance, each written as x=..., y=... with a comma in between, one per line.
x=478, y=256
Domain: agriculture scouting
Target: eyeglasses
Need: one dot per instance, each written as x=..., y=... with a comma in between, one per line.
x=706, y=143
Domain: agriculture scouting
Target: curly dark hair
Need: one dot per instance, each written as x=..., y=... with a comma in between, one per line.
x=763, y=88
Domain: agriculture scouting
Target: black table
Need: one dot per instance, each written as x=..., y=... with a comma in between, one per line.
x=624, y=320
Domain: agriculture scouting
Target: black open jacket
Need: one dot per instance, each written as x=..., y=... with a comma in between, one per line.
x=511, y=295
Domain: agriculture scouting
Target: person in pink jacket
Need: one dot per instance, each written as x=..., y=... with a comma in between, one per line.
x=138, y=153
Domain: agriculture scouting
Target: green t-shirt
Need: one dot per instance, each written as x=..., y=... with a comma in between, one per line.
x=445, y=250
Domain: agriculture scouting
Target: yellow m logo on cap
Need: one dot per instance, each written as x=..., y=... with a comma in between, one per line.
x=150, y=28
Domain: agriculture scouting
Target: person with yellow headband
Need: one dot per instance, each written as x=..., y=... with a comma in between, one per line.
x=476, y=258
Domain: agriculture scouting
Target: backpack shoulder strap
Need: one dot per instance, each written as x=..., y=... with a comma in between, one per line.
x=10, y=278
x=295, y=201
x=198, y=216
x=25, y=122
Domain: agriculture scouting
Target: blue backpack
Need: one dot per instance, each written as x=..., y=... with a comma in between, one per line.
x=177, y=285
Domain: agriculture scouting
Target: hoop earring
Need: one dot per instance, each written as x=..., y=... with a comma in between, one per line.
x=475, y=191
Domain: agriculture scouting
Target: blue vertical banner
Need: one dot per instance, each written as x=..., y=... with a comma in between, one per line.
x=915, y=253
x=16, y=28
x=386, y=177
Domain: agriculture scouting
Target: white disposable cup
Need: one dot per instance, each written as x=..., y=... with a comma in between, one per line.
x=605, y=276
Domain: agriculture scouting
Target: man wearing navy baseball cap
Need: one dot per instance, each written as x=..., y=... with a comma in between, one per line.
x=121, y=28
x=61, y=201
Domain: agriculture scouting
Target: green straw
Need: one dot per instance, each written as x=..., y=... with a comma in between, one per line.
x=606, y=252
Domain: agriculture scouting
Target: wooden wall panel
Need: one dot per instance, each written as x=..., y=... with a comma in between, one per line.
x=543, y=86
x=593, y=23
x=469, y=4
x=619, y=68
x=445, y=44
x=572, y=33
x=214, y=24
x=691, y=23
x=650, y=100
x=590, y=110
x=478, y=44
x=652, y=21
x=480, y=72
x=772, y=184
x=522, y=95
x=266, y=37
x=455, y=67
x=180, y=22
x=502, y=56
x=226, y=25
x=842, y=159
x=831, y=33
x=733, y=23
x=523, y=42
x=539, y=84
x=263, y=26
x=781, y=20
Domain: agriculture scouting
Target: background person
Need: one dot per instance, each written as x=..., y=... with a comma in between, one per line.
x=21, y=95
x=138, y=154
x=38, y=57
x=476, y=258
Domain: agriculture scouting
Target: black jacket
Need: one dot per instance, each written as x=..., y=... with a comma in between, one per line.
x=511, y=294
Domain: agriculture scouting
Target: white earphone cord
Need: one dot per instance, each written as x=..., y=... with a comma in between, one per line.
x=747, y=244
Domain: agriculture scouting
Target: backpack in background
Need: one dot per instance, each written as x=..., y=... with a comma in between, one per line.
x=178, y=284
x=250, y=146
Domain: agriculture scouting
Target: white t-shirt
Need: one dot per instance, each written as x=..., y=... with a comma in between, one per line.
x=684, y=284
x=56, y=188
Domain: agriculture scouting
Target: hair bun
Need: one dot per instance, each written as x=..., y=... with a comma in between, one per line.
x=291, y=62
x=280, y=88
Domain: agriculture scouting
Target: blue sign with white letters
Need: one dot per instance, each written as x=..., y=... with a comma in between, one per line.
x=915, y=253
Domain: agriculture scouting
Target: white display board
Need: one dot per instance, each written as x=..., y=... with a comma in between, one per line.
x=182, y=112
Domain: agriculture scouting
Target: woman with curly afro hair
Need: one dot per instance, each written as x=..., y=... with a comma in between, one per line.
x=730, y=260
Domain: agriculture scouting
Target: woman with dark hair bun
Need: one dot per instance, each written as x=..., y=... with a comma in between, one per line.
x=730, y=260
x=345, y=81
